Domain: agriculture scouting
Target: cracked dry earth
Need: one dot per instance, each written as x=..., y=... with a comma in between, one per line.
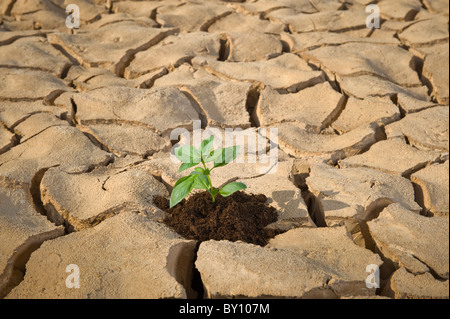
x=85, y=122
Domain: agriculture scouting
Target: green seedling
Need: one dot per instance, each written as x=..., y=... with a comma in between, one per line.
x=200, y=177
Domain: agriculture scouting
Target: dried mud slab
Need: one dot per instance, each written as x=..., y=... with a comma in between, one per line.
x=173, y=51
x=405, y=285
x=393, y=156
x=347, y=192
x=409, y=104
x=265, y=6
x=95, y=78
x=124, y=139
x=298, y=142
x=112, y=46
x=89, y=8
x=313, y=108
x=437, y=6
x=417, y=129
x=23, y=231
x=222, y=103
x=201, y=15
x=13, y=113
x=356, y=59
x=286, y=273
x=107, y=19
x=62, y=146
x=160, y=109
x=426, y=32
x=88, y=199
x=287, y=72
x=435, y=69
x=39, y=14
x=410, y=240
x=433, y=187
x=333, y=21
x=36, y=124
x=237, y=22
x=369, y=86
x=334, y=248
x=127, y=256
x=301, y=42
x=424, y=51
x=21, y=84
x=37, y=53
x=11, y=36
x=250, y=47
x=400, y=10
x=364, y=112
x=42, y=19
x=142, y=8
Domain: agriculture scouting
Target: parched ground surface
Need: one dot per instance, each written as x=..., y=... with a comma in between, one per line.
x=86, y=117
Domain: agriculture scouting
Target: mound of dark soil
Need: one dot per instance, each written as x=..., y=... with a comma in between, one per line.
x=237, y=217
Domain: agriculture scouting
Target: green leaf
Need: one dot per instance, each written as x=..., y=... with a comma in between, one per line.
x=181, y=189
x=231, y=188
x=213, y=155
x=188, y=154
x=181, y=180
x=186, y=166
x=229, y=154
x=201, y=182
x=200, y=170
x=207, y=146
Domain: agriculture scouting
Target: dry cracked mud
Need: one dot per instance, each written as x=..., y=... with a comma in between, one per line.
x=86, y=123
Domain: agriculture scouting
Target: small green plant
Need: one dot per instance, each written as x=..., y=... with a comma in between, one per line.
x=200, y=177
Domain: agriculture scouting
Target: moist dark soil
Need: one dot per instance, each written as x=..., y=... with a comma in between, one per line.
x=237, y=217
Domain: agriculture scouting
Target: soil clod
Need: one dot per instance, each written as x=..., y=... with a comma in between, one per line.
x=238, y=217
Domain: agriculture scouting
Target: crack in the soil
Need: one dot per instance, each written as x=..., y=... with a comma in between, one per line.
x=49, y=100
x=253, y=99
x=181, y=266
x=63, y=51
x=15, y=270
x=96, y=141
x=203, y=115
x=129, y=56
x=336, y=113
x=10, y=7
x=205, y=27
x=197, y=284
x=13, y=39
x=225, y=47
x=34, y=68
x=35, y=191
x=299, y=174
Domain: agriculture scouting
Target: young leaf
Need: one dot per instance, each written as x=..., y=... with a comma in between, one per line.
x=188, y=154
x=207, y=146
x=201, y=182
x=181, y=189
x=231, y=188
x=229, y=154
x=200, y=170
x=214, y=155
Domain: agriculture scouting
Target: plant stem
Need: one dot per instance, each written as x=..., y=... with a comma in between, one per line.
x=211, y=188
